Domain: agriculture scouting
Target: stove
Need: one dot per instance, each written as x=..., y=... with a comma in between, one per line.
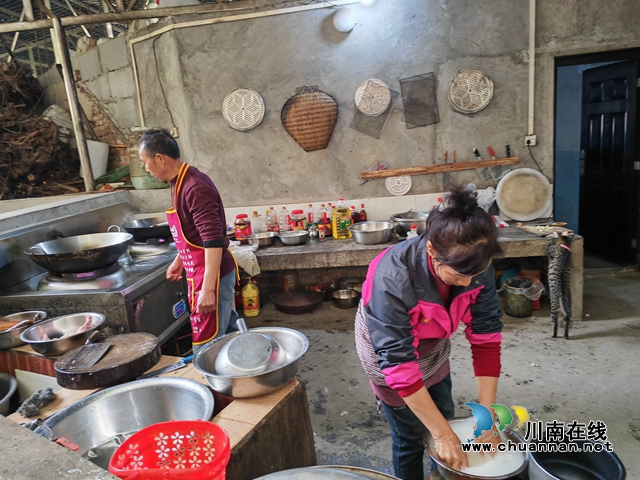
x=133, y=293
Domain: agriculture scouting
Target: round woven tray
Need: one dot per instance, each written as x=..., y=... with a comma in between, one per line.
x=309, y=117
x=470, y=90
x=373, y=97
x=243, y=109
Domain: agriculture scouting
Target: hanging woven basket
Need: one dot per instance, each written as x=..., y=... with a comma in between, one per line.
x=310, y=117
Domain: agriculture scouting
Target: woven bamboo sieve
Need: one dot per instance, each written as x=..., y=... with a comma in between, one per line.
x=310, y=117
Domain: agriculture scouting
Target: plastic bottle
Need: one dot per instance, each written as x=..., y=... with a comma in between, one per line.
x=298, y=220
x=413, y=232
x=251, y=299
x=257, y=224
x=284, y=219
x=363, y=213
x=271, y=223
x=341, y=220
x=311, y=215
x=289, y=280
x=355, y=216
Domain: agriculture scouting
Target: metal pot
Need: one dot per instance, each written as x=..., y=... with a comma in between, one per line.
x=345, y=298
x=150, y=227
x=82, y=253
x=293, y=343
x=264, y=239
x=372, y=232
x=406, y=219
x=296, y=302
x=99, y=423
x=328, y=472
x=297, y=237
x=56, y=328
x=558, y=465
x=11, y=338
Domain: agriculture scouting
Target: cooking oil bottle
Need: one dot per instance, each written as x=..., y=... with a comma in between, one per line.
x=341, y=220
x=251, y=299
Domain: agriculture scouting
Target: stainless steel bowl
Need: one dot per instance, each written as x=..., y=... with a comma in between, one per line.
x=264, y=239
x=294, y=344
x=372, y=232
x=345, y=298
x=56, y=328
x=12, y=339
x=449, y=473
x=99, y=423
x=297, y=237
x=406, y=219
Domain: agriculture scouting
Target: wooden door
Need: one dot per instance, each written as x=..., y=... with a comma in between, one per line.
x=608, y=203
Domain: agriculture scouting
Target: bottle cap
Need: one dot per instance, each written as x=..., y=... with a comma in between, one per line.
x=242, y=215
x=414, y=226
x=296, y=212
x=362, y=205
x=311, y=205
x=255, y=214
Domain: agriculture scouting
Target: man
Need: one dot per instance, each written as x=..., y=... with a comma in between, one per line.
x=198, y=226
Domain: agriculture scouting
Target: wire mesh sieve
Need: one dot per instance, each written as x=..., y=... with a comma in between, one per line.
x=419, y=100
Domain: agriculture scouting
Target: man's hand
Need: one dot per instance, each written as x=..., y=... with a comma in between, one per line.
x=449, y=451
x=206, y=302
x=175, y=269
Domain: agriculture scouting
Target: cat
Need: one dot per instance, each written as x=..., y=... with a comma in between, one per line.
x=559, y=277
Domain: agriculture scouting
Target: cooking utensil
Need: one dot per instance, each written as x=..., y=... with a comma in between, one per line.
x=11, y=337
x=310, y=117
x=369, y=125
x=243, y=109
x=445, y=175
x=170, y=368
x=524, y=194
x=130, y=355
x=297, y=237
x=506, y=168
x=99, y=423
x=82, y=253
x=398, y=185
x=373, y=97
x=149, y=227
x=470, y=90
x=601, y=465
x=293, y=343
x=419, y=100
x=372, y=232
x=484, y=173
x=405, y=220
x=496, y=172
x=325, y=472
x=264, y=239
x=88, y=355
x=345, y=298
x=297, y=301
x=249, y=353
x=55, y=328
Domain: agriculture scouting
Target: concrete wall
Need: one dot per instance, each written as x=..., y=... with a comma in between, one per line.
x=198, y=66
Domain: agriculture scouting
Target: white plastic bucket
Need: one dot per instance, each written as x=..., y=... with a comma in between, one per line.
x=98, y=156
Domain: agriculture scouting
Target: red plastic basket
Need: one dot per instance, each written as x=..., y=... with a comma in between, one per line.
x=191, y=449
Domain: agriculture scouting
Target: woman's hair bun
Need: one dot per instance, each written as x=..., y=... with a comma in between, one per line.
x=460, y=200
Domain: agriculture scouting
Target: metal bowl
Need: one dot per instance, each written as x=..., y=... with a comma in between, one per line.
x=99, y=423
x=297, y=237
x=265, y=239
x=406, y=219
x=372, y=232
x=55, y=328
x=12, y=339
x=293, y=343
x=449, y=473
x=345, y=298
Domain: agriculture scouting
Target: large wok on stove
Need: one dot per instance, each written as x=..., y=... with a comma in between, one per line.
x=81, y=253
x=150, y=227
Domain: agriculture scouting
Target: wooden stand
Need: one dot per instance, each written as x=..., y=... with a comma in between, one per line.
x=440, y=168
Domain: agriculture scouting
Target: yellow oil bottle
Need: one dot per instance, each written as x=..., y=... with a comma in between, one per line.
x=251, y=299
x=341, y=220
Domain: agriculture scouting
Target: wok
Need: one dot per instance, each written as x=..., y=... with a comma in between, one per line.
x=150, y=227
x=297, y=301
x=81, y=253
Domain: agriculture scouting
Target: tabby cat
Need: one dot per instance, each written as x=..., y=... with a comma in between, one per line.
x=559, y=277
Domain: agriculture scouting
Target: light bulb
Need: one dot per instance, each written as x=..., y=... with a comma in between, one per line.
x=366, y=2
x=344, y=19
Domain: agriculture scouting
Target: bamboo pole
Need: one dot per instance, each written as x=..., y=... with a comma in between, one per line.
x=441, y=168
x=28, y=10
x=62, y=57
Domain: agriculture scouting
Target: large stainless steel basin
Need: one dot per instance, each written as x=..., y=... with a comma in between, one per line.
x=99, y=423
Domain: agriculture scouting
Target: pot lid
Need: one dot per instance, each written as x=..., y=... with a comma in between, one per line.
x=524, y=194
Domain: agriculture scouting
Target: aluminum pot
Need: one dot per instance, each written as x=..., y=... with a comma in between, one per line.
x=149, y=227
x=372, y=232
x=99, y=423
x=56, y=328
x=297, y=301
x=406, y=219
x=297, y=237
x=293, y=343
x=327, y=472
x=345, y=298
x=82, y=253
x=11, y=338
x=558, y=465
x=264, y=239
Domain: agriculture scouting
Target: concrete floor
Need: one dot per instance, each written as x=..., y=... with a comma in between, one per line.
x=593, y=376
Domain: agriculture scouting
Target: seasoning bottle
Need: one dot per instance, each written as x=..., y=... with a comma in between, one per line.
x=363, y=213
x=289, y=280
x=341, y=220
x=257, y=224
x=284, y=219
x=298, y=220
x=413, y=232
x=271, y=223
x=355, y=216
x=311, y=215
x=242, y=227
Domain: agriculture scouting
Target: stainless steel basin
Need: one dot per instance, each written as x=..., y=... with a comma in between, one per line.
x=99, y=423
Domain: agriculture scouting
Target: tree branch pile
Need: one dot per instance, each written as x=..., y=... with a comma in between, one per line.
x=33, y=161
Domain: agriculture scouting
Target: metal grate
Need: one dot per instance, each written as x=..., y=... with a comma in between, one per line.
x=372, y=125
x=419, y=100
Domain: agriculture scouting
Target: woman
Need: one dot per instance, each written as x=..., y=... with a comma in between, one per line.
x=414, y=297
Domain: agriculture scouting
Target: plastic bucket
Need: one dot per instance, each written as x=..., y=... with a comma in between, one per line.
x=98, y=156
x=8, y=385
x=516, y=304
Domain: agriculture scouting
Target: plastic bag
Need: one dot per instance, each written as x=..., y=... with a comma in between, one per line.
x=530, y=287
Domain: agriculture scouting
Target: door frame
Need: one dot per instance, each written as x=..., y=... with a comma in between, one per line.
x=589, y=58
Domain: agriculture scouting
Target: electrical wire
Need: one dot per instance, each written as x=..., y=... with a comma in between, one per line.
x=534, y=158
x=164, y=96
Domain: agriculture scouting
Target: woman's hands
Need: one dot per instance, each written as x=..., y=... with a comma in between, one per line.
x=206, y=301
x=175, y=269
x=449, y=450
